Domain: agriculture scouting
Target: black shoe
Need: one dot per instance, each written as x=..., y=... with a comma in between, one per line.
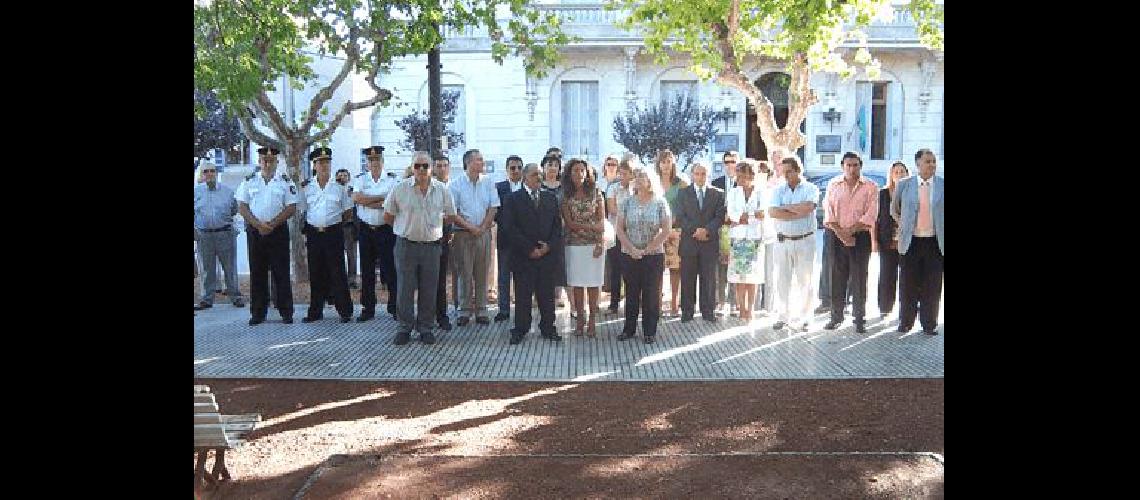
x=502, y=316
x=930, y=332
x=256, y=321
x=310, y=319
x=516, y=338
x=710, y=318
x=462, y=321
x=778, y=325
x=859, y=328
x=223, y=292
x=365, y=316
x=354, y=286
x=649, y=339
x=403, y=338
x=203, y=305
x=686, y=319
x=831, y=325
x=427, y=338
x=444, y=323
x=904, y=329
x=822, y=309
x=345, y=319
x=626, y=336
x=553, y=336
x=287, y=321
x=239, y=303
x=482, y=320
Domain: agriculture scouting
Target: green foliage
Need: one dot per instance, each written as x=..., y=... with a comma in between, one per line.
x=681, y=126
x=242, y=47
x=771, y=28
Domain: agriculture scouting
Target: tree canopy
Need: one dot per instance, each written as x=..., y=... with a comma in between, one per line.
x=718, y=35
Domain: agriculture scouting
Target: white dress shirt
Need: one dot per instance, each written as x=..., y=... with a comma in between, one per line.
x=326, y=205
x=266, y=199
x=366, y=185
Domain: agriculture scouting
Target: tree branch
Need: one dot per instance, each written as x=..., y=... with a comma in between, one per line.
x=326, y=93
x=382, y=95
x=276, y=122
x=255, y=135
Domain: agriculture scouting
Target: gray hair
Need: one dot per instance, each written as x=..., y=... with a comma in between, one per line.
x=654, y=179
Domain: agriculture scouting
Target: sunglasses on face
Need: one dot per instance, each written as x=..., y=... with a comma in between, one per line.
x=421, y=166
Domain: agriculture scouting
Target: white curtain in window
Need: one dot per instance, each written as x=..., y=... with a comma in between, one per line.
x=580, y=119
x=894, y=120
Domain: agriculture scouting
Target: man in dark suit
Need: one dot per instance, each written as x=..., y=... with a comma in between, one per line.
x=533, y=226
x=726, y=182
x=919, y=208
x=512, y=184
x=701, y=214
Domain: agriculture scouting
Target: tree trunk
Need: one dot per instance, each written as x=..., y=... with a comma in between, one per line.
x=293, y=164
x=800, y=99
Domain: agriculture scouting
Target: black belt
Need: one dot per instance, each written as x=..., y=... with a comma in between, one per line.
x=218, y=230
x=375, y=228
x=324, y=229
x=780, y=237
x=414, y=242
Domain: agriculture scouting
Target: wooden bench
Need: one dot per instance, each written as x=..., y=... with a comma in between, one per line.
x=214, y=431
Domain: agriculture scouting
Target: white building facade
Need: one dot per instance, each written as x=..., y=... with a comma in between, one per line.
x=502, y=111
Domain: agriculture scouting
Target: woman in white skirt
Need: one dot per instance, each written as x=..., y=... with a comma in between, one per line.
x=745, y=210
x=583, y=215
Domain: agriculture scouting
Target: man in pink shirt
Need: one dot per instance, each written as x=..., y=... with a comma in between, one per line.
x=849, y=212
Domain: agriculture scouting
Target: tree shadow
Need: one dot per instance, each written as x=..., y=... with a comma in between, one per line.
x=589, y=439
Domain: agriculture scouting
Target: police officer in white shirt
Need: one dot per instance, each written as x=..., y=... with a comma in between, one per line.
x=377, y=241
x=325, y=201
x=266, y=201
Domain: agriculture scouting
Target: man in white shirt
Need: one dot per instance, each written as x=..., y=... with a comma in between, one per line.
x=417, y=208
x=266, y=201
x=377, y=241
x=326, y=201
x=792, y=209
x=476, y=203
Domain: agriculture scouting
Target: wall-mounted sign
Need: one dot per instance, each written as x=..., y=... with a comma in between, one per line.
x=828, y=143
x=827, y=159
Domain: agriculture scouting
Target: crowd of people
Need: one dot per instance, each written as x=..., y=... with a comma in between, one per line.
x=745, y=240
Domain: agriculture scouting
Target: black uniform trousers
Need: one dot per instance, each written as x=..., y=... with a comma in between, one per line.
x=849, y=268
x=702, y=264
x=377, y=244
x=534, y=277
x=888, y=278
x=327, y=275
x=921, y=283
x=613, y=263
x=269, y=253
x=642, y=292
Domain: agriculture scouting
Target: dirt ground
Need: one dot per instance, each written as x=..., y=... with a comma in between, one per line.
x=839, y=439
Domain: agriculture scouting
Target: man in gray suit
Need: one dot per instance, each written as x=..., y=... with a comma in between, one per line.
x=918, y=208
x=701, y=214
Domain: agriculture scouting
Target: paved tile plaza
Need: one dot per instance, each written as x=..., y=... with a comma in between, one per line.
x=226, y=347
